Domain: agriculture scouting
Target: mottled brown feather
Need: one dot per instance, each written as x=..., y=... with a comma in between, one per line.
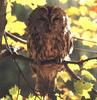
x=49, y=37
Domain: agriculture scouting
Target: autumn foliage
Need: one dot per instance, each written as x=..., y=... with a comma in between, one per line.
x=83, y=18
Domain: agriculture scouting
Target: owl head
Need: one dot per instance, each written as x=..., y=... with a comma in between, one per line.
x=47, y=18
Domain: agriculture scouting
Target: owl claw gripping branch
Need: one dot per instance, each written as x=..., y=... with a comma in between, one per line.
x=49, y=38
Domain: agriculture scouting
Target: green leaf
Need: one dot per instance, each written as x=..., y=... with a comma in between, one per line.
x=82, y=88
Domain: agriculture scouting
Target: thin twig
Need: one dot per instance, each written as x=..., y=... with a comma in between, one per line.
x=16, y=38
x=71, y=73
x=27, y=59
x=85, y=39
x=85, y=50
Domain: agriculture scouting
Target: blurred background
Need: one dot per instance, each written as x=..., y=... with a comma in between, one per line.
x=83, y=19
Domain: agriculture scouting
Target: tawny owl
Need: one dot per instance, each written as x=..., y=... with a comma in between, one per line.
x=49, y=38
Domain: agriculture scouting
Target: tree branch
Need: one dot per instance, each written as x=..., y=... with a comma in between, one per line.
x=85, y=39
x=16, y=38
x=6, y=53
x=85, y=50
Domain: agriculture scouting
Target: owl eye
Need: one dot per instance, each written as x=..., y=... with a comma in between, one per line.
x=57, y=18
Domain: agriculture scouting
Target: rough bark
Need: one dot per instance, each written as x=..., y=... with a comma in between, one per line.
x=2, y=19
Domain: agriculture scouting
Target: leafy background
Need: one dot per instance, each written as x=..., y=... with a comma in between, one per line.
x=83, y=17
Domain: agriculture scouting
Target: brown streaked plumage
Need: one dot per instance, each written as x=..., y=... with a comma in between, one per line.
x=49, y=38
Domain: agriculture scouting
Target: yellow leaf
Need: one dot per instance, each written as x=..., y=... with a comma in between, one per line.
x=83, y=57
x=81, y=86
x=16, y=27
x=76, y=30
x=89, y=36
x=90, y=64
x=74, y=67
x=86, y=94
x=83, y=10
x=64, y=75
x=31, y=3
x=8, y=8
x=63, y=1
x=88, y=75
x=73, y=11
x=92, y=14
x=86, y=2
x=14, y=91
x=10, y=18
x=87, y=24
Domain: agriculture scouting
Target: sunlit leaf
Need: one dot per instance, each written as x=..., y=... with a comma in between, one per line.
x=63, y=1
x=90, y=64
x=15, y=92
x=83, y=57
x=69, y=94
x=92, y=14
x=8, y=9
x=86, y=94
x=87, y=24
x=88, y=35
x=83, y=88
x=64, y=75
x=10, y=18
x=6, y=98
x=16, y=27
x=74, y=67
x=76, y=30
x=73, y=11
x=86, y=2
x=83, y=10
x=88, y=75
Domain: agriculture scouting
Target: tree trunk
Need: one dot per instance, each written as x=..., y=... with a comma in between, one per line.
x=2, y=19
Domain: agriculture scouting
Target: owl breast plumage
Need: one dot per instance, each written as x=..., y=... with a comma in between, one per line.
x=48, y=36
